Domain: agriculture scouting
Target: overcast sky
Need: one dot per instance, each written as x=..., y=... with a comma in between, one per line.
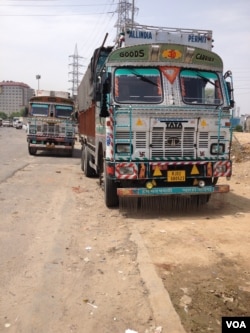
x=38, y=37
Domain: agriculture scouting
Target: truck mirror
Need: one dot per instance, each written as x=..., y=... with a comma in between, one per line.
x=104, y=108
x=106, y=88
x=230, y=89
x=98, y=94
x=230, y=93
x=232, y=103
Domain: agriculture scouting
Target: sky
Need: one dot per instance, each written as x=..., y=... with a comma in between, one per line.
x=39, y=37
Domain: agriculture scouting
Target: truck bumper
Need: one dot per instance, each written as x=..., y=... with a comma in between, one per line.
x=50, y=146
x=164, y=191
x=50, y=143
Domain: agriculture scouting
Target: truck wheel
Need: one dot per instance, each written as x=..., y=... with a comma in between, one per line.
x=89, y=172
x=32, y=150
x=110, y=192
x=71, y=152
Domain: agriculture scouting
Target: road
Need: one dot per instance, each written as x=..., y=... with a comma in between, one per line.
x=69, y=264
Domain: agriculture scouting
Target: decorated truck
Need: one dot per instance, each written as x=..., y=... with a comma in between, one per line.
x=51, y=124
x=155, y=114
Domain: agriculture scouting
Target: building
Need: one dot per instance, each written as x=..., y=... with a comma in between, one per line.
x=14, y=96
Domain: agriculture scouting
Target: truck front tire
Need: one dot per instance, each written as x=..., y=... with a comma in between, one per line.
x=110, y=191
x=89, y=172
x=32, y=150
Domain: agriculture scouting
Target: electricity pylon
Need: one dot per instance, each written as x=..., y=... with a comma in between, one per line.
x=75, y=72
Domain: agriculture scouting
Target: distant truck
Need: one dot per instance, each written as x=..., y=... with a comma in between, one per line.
x=247, y=124
x=155, y=116
x=51, y=124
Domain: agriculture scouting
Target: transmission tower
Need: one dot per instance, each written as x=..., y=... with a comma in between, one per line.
x=126, y=12
x=75, y=74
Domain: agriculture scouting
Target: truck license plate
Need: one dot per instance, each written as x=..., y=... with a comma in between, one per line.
x=176, y=176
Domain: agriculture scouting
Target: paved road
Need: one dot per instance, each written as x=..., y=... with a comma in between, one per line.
x=14, y=153
x=67, y=263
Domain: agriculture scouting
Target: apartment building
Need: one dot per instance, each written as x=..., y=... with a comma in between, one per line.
x=14, y=96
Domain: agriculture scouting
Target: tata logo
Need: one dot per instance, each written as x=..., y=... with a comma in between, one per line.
x=173, y=141
x=173, y=124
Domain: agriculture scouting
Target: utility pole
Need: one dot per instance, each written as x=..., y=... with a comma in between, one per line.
x=126, y=12
x=75, y=73
x=38, y=77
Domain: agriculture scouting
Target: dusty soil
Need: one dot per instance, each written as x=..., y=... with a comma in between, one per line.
x=69, y=264
x=203, y=258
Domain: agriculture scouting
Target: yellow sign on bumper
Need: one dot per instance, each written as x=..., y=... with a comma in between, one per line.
x=176, y=176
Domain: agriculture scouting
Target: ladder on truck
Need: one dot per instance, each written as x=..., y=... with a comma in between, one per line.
x=220, y=127
x=125, y=131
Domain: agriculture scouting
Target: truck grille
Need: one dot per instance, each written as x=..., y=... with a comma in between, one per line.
x=50, y=129
x=167, y=143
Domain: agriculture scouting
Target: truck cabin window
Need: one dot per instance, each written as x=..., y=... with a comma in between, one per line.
x=200, y=87
x=138, y=85
x=39, y=110
x=63, y=111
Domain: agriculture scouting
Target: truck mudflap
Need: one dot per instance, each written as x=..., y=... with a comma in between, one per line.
x=164, y=191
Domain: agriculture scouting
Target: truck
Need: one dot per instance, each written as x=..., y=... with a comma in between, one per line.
x=154, y=116
x=51, y=124
x=247, y=123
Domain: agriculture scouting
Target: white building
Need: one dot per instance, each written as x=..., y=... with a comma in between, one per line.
x=14, y=96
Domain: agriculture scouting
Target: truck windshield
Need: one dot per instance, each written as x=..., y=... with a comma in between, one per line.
x=63, y=111
x=39, y=109
x=200, y=87
x=138, y=85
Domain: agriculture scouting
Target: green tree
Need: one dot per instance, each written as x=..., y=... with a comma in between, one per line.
x=24, y=112
x=238, y=128
x=3, y=115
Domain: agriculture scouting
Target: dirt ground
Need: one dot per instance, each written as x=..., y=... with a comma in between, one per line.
x=204, y=258
x=69, y=264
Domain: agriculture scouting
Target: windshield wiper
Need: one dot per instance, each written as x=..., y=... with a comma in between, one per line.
x=144, y=78
x=205, y=78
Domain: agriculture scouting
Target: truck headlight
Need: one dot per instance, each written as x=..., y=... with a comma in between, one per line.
x=123, y=149
x=217, y=149
x=220, y=168
x=126, y=170
x=32, y=129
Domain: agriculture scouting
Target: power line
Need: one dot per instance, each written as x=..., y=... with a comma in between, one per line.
x=50, y=6
x=97, y=31
x=81, y=14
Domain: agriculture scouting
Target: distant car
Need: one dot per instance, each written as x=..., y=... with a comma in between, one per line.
x=6, y=123
x=15, y=120
x=18, y=124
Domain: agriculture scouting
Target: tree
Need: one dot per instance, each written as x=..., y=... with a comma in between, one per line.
x=3, y=115
x=238, y=128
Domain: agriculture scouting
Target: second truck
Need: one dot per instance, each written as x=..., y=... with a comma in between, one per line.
x=51, y=124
